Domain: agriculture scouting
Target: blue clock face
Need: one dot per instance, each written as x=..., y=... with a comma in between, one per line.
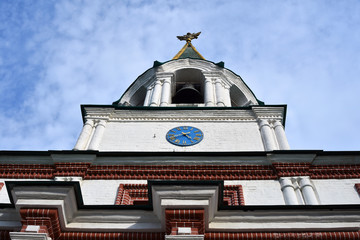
x=184, y=136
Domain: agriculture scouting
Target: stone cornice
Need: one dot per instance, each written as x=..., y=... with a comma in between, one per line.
x=314, y=157
x=252, y=113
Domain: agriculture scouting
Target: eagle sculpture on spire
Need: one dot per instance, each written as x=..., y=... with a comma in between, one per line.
x=188, y=37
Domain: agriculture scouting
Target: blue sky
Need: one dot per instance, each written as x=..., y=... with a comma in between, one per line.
x=58, y=54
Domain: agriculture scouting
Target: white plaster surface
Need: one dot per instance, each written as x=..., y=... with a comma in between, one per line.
x=260, y=192
x=150, y=136
x=337, y=191
x=103, y=192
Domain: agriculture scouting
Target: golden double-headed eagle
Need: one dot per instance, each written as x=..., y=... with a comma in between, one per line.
x=188, y=37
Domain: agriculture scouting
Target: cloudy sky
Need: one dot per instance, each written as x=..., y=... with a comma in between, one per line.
x=58, y=54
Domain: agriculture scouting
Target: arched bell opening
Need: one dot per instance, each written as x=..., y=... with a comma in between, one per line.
x=138, y=98
x=188, y=87
x=238, y=98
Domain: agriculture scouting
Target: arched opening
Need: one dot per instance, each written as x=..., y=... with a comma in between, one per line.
x=188, y=87
x=238, y=99
x=138, y=98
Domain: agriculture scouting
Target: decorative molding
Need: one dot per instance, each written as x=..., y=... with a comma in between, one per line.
x=178, y=172
x=132, y=194
x=137, y=194
x=234, y=195
x=120, y=115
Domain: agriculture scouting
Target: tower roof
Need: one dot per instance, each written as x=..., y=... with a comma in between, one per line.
x=188, y=51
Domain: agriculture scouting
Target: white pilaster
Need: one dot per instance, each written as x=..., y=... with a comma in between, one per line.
x=227, y=99
x=281, y=136
x=148, y=96
x=267, y=135
x=219, y=90
x=308, y=191
x=96, y=139
x=288, y=191
x=209, y=93
x=166, y=93
x=155, y=97
x=84, y=135
x=298, y=191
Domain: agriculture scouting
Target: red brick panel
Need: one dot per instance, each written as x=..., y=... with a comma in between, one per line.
x=132, y=194
x=47, y=219
x=334, y=171
x=26, y=171
x=193, y=218
x=291, y=169
x=112, y=236
x=233, y=195
x=71, y=169
x=284, y=236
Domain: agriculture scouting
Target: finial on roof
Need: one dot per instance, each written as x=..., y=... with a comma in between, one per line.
x=188, y=51
x=188, y=37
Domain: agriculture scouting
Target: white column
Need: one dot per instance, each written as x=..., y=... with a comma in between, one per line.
x=288, y=191
x=84, y=135
x=227, y=96
x=96, y=139
x=267, y=135
x=209, y=92
x=281, y=136
x=298, y=191
x=148, y=96
x=156, y=94
x=165, y=93
x=308, y=191
x=219, y=90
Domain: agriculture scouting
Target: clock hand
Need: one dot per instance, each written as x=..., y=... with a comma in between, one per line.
x=187, y=136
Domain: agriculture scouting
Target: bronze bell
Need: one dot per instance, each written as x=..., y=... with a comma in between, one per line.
x=188, y=94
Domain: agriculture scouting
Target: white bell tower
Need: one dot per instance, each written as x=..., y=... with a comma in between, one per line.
x=187, y=91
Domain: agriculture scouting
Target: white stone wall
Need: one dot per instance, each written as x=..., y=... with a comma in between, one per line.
x=260, y=192
x=150, y=136
x=103, y=192
x=337, y=191
x=256, y=192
